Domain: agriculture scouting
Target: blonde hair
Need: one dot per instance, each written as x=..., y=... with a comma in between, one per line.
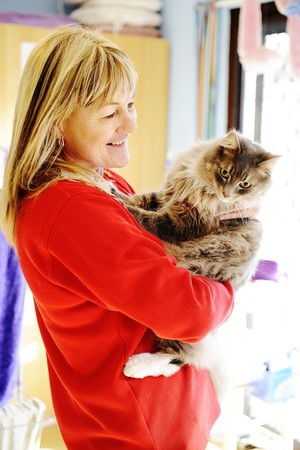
x=72, y=66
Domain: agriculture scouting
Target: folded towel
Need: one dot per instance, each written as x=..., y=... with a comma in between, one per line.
x=12, y=293
x=152, y=5
x=117, y=15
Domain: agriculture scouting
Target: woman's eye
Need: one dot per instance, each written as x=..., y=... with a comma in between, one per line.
x=245, y=184
x=130, y=105
x=225, y=174
x=110, y=116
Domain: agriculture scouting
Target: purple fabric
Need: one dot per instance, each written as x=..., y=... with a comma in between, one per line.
x=12, y=293
x=35, y=20
x=268, y=270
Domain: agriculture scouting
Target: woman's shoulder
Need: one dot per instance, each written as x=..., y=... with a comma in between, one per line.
x=71, y=187
x=67, y=201
x=65, y=189
x=54, y=198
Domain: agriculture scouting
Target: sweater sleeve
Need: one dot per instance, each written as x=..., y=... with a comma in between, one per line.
x=99, y=251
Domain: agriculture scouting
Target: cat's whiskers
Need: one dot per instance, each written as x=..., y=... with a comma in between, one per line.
x=240, y=209
x=234, y=206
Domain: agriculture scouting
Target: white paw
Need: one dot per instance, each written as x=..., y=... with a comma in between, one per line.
x=150, y=365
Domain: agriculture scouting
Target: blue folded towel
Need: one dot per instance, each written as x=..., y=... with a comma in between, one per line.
x=12, y=293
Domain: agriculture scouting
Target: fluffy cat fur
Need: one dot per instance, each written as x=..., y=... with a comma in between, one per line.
x=213, y=177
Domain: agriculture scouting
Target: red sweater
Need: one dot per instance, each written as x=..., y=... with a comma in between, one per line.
x=102, y=287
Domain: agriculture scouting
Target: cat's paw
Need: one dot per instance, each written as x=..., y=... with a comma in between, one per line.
x=150, y=365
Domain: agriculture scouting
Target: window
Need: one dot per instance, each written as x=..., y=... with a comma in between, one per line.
x=266, y=108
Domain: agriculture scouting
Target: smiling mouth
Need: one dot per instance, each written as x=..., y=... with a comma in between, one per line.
x=117, y=143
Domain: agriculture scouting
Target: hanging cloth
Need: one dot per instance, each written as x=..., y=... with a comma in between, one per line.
x=252, y=54
x=12, y=293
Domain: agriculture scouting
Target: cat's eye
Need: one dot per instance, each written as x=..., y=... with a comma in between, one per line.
x=225, y=174
x=245, y=184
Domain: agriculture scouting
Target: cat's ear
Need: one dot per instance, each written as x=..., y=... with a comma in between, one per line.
x=231, y=141
x=269, y=162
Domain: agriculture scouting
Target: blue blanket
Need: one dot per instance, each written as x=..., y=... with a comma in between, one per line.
x=12, y=293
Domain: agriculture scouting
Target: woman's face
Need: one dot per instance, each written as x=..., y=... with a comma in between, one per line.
x=98, y=135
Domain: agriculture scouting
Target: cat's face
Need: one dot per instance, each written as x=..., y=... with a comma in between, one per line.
x=240, y=170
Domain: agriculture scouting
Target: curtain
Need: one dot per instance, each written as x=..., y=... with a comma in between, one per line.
x=12, y=293
x=206, y=19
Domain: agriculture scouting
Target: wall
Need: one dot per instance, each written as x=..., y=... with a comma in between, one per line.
x=30, y=6
x=179, y=28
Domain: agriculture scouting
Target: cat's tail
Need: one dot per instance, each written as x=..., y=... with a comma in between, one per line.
x=207, y=354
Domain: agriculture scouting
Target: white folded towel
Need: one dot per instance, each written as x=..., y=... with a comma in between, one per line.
x=153, y=5
x=117, y=15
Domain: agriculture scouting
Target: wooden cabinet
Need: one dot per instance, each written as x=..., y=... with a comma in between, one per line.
x=150, y=56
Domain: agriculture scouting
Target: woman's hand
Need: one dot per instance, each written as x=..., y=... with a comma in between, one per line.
x=247, y=213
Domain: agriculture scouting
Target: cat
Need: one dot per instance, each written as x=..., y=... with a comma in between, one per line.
x=213, y=177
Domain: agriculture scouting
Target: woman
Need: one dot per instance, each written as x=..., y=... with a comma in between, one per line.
x=103, y=286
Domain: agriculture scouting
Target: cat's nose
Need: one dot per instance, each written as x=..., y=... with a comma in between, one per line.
x=227, y=197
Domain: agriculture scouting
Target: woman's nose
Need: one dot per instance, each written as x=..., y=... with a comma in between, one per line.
x=128, y=122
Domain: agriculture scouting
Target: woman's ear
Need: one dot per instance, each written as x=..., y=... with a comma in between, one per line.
x=60, y=134
x=57, y=132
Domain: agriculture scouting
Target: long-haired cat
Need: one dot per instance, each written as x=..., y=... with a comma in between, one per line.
x=214, y=177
